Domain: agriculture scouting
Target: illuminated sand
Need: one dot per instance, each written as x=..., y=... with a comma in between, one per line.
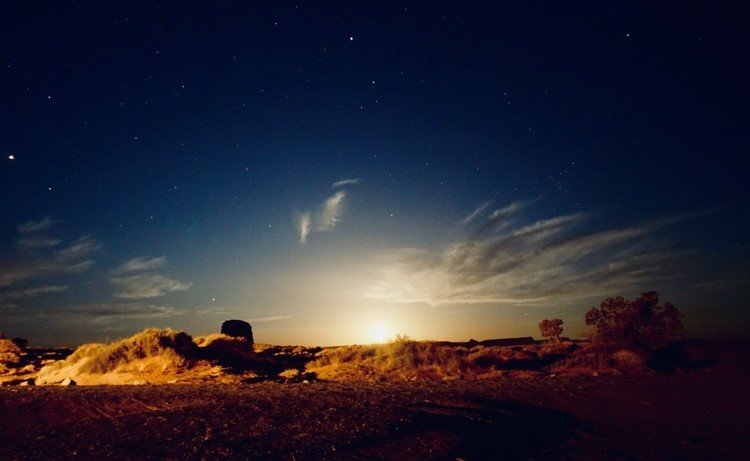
x=217, y=396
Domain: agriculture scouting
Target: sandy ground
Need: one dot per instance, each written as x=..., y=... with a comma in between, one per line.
x=680, y=416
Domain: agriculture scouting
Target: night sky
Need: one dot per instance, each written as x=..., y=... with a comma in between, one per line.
x=332, y=172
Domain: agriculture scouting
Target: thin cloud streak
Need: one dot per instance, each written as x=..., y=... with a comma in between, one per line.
x=345, y=182
x=30, y=227
x=33, y=291
x=141, y=264
x=477, y=211
x=142, y=286
x=501, y=217
x=93, y=312
x=270, y=318
x=35, y=243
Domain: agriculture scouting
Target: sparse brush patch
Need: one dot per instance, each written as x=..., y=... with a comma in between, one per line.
x=405, y=360
x=602, y=359
x=291, y=373
x=629, y=361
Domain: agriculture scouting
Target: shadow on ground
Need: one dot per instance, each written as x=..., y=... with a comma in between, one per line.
x=480, y=429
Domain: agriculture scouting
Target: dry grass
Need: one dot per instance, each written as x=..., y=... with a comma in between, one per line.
x=595, y=359
x=10, y=353
x=164, y=356
x=405, y=360
x=151, y=356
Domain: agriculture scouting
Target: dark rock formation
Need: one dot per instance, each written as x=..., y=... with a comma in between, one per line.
x=238, y=329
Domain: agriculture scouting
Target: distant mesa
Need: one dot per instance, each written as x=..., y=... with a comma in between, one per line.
x=238, y=329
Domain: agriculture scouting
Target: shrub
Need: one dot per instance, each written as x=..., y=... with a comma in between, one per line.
x=551, y=328
x=641, y=323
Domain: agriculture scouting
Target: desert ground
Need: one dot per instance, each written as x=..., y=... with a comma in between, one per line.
x=699, y=415
x=162, y=394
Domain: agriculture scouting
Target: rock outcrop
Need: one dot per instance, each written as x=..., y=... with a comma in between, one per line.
x=238, y=329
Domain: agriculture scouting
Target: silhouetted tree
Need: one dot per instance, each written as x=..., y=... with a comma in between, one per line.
x=551, y=328
x=638, y=323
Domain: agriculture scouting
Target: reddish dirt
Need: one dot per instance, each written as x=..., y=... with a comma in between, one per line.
x=697, y=415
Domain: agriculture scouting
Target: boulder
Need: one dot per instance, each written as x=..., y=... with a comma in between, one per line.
x=238, y=329
x=68, y=382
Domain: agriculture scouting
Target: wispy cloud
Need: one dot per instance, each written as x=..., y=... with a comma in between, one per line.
x=30, y=227
x=477, y=211
x=240, y=312
x=330, y=213
x=270, y=318
x=35, y=243
x=137, y=279
x=141, y=264
x=345, y=182
x=93, y=312
x=142, y=286
x=32, y=291
x=47, y=261
x=303, y=221
x=325, y=218
x=501, y=217
x=552, y=259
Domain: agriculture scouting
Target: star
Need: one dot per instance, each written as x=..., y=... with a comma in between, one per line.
x=11, y=157
x=351, y=39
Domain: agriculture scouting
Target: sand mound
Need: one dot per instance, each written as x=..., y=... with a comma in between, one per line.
x=152, y=356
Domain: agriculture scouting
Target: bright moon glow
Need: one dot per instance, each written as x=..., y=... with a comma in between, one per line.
x=379, y=333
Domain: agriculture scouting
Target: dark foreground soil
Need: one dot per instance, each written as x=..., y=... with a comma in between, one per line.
x=679, y=416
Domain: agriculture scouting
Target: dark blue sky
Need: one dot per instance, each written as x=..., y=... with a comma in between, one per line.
x=175, y=165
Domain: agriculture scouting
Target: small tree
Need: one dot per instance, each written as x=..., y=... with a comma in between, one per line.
x=639, y=323
x=551, y=328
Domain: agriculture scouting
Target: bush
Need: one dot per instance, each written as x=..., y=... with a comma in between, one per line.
x=641, y=323
x=551, y=328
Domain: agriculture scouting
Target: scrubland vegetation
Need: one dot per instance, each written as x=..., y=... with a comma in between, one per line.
x=629, y=337
x=150, y=356
x=407, y=360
